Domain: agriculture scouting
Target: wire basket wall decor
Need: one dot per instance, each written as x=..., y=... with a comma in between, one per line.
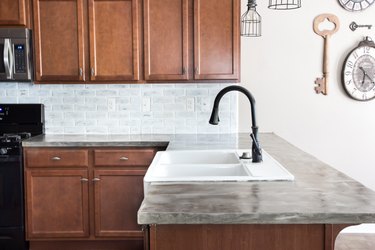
x=284, y=4
x=251, y=21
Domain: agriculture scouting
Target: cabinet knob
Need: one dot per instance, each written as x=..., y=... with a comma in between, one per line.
x=84, y=180
x=55, y=158
x=124, y=158
x=92, y=72
x=80, y=72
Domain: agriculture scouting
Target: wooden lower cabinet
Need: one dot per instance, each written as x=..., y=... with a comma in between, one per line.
x=118, y=196
x=244, y=237
x=74, y=200
x=57, y=203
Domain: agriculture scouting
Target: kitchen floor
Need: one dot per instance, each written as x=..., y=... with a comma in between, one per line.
x=348, y=241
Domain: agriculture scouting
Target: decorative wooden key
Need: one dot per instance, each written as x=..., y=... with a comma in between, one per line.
x=322, y=83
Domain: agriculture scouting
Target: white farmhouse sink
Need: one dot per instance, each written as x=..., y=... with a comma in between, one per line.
x=212, y=165
x=197, y=157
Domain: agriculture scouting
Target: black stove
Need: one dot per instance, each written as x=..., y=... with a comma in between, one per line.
x=17, y=122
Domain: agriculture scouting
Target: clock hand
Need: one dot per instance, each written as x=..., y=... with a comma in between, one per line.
x=364, y=76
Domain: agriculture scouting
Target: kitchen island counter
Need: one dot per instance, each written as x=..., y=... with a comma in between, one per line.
x=319, y=195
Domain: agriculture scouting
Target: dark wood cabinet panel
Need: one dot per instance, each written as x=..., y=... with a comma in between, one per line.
x=118, y=196
x=56, y=158
x=123, y=157
x=59, y=40
x=57, y=203
x=166, y=39
x=114, y=41
x=216, y=39
x=13, y=12
x=244, y=237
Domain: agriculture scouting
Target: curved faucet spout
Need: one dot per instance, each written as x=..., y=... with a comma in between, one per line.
x=214, y=120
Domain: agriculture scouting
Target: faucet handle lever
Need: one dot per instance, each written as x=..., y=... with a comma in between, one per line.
x=256, y=151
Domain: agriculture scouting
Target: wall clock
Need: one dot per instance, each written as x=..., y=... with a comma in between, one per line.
x=356, y=5
x=358, y=74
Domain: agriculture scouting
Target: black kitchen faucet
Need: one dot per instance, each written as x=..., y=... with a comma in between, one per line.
x=256, y=151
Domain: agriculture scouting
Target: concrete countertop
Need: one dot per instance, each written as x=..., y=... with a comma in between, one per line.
x=319, y=194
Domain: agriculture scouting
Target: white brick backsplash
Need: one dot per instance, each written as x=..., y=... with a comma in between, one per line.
x=124, y=100
x=130, y=92
x=106, y=92
x=162, y=99
x=197, y=92
x=96, y=130
x=83, y=108
x=40, y=92
x=74, y=100
x=12, y=99
x=174, y=92
x=62, y=92
x=74, y=130
x=73, y=115
x=85, y=92
x=177, y=107
x=62, y=107
x=9, y=85
x=27, y=99
x=11, y=92
x=85, y=123
x=131, y=123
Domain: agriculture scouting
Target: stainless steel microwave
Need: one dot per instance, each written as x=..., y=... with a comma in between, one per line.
x=15, y=54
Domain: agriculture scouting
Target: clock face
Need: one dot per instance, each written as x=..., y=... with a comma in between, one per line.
x=359, y=73
x=356, y=5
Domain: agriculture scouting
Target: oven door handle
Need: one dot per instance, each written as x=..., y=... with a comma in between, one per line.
x=8, y=58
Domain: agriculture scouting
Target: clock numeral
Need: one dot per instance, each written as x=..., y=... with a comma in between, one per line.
x=366, y=50
x=347, y=73
x=354, y=90
x=364, y=96
x=348, y=82
x=349, y=64
x=355, y=55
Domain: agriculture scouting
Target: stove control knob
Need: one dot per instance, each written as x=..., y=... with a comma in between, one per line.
x=3, y=151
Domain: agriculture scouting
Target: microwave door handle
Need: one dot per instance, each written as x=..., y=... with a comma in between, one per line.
x=8, y=59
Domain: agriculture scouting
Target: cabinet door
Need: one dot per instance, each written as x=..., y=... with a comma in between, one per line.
x=118, y=196
x=57, y=203
x=13, y=12
x=58, y=36
x=166, y=39
x=114, y=42
x=216, y=39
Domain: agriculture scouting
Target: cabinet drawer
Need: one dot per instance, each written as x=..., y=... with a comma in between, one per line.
x=124, y=157
x=56, y=158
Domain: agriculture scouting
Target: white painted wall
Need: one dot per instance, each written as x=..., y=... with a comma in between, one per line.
x=280, y=68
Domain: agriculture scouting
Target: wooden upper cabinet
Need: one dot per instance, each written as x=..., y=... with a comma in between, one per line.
x=216, y=39
x=114, y=42
x=13, y=12
x=59, y=40
x=57, y=203
x=118, y=196
x=166, y=39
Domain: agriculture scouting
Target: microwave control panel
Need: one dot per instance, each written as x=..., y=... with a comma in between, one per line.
x=20, y=58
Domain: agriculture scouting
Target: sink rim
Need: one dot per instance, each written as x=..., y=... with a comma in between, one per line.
x=285, y=176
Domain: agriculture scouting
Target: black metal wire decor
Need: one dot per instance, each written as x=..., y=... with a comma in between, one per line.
x=284, y=4
x=251, y=21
